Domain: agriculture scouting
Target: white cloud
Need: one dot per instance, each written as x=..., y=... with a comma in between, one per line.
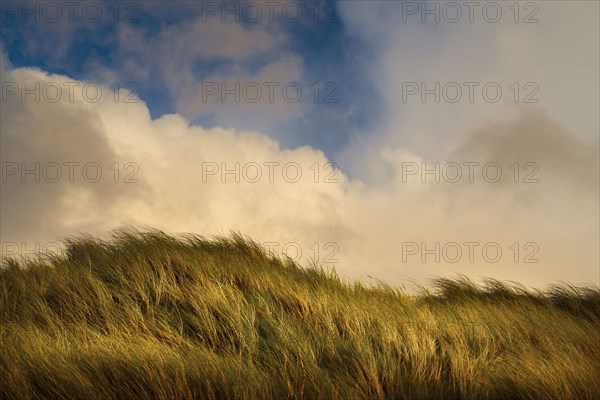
x=368, y=222
x=559, y=55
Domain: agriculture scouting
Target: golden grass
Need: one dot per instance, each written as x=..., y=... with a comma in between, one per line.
x=152, y=316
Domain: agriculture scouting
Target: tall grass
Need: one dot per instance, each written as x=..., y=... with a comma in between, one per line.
x=152, y=316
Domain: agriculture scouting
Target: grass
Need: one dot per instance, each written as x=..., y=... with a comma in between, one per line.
x=146, y=315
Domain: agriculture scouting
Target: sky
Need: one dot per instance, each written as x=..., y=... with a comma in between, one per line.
x=395, y=141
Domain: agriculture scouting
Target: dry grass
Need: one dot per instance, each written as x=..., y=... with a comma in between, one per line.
x=151, y=316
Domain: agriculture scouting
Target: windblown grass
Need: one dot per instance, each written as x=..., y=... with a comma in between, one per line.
x=152, y=316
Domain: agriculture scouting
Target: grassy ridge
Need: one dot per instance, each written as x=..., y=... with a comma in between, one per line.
x=147, y=315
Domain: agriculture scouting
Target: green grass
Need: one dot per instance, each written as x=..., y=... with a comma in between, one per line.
x=152, y=316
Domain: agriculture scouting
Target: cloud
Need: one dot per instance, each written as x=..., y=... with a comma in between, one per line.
x=167, y=53
x=184, y=57
x=552, y=62
x=184, y=186
x=264, y=98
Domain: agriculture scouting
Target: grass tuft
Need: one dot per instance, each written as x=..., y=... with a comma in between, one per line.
x=146, y=315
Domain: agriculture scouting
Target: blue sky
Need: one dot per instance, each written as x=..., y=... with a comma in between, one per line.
x=327, y=51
